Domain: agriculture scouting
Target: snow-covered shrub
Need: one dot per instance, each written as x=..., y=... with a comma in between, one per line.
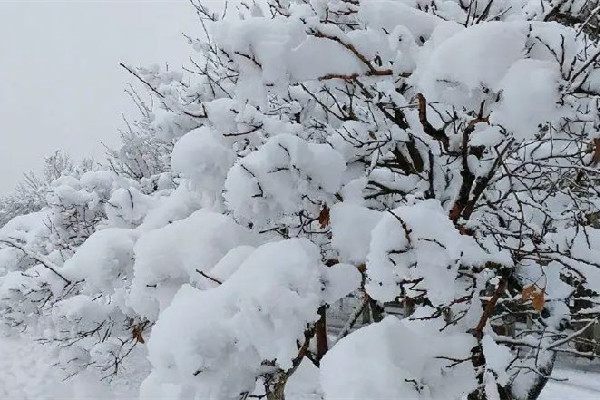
x=249, y=326
x=143, y=154
x=436, y=157
x=42, y=251
x=447, y=150
x=29, y=195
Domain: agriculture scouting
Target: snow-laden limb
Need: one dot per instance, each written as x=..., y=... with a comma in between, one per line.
x=351, y=231
x=398, y=359
x=43, y=260
x=455, y=74
x=168, y=258
x=200, y=157
x=417, y=246
x=248, y=327
x=113, y=270
x=284, y=177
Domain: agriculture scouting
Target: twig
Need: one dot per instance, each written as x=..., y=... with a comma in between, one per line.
x=209, y=277
x=38, y=257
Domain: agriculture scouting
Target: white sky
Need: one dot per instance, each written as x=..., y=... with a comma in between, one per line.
x=61, y=86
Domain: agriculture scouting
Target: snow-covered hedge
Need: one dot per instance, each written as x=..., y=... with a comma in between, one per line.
x=438, y=157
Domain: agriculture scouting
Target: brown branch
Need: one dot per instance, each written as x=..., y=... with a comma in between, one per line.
x=321, y=333
x=468, y=178
x=596, y=155
x=489, y=308
x=350, y=47
x=482, y=183
x=437, y=134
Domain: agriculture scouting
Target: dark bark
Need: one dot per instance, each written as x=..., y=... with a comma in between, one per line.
x=321, y=332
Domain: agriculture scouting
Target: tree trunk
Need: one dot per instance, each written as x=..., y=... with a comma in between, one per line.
x=376, y=310
x=321, y=332
x=275, y=386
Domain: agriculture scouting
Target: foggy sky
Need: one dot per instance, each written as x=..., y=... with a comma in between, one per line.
x=61, y=86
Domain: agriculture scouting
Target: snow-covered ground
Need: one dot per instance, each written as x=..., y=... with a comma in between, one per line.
x=26, y=373
x=573, y=384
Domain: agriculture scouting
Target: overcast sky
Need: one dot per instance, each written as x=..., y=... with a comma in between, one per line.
x=61, y=86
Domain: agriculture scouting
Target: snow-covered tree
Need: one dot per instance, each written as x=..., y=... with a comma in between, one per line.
x=436, y=157
x=446, y=149
x=144, y=152
x=29, y=195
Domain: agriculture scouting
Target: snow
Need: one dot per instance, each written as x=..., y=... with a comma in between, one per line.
x=402, y=247
x=497, y=358
x=26, y=228
x=116, y=248
x=274, y=181
x=28, y=372
x=220, y=351
x=386, y=14
x=407, y=163
x=169, y=257
x=573, y=384
x=352, y=225
x=396, y=359
x=530, y=94
x=177, y=205
x=128, y=207
x=304, y=384
x=317, y=57
x=202, y=159
x=284, y=52
x=456, y=74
